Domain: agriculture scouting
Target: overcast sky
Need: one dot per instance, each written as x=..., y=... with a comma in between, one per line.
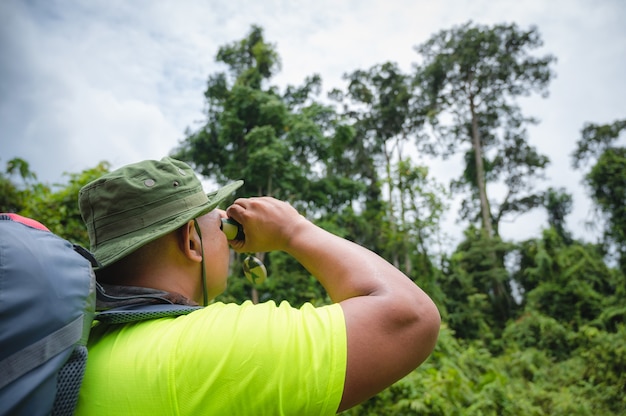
x=118, y=80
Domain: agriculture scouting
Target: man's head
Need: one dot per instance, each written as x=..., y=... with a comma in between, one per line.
x=139, y=203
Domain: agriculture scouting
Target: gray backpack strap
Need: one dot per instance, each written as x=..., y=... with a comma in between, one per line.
x=25, y=360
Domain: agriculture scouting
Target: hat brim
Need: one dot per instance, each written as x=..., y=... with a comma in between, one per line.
x=124, y=245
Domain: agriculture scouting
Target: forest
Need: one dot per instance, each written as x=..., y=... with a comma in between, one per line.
x=532, y=327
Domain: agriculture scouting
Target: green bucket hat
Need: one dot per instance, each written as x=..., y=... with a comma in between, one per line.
x=138, y=203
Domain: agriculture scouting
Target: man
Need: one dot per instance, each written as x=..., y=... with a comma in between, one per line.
x=156, y=234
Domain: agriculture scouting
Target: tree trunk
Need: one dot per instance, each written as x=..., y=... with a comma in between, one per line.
x=499, y=293
x=480, y=173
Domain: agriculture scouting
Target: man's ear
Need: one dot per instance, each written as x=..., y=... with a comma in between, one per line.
x=189, y=242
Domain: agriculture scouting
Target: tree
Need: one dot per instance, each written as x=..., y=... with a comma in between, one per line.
x=558, y=204
x=595, y=140
x=568, y=281
x=606, y=180
x=279, y=143
x=385, y=116
x=287, y=145
x=472, y=76
x=477, y=287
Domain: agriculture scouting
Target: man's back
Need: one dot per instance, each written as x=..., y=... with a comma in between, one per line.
x=223, y=359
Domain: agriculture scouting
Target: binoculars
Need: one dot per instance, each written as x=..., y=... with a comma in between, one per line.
x=253, y=268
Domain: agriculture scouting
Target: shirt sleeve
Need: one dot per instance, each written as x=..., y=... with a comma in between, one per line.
x=260, y=359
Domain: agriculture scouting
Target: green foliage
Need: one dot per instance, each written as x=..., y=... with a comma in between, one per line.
x=569, y=282
x=558, y=205
x=595, y=140
x=459, y=378
x=604, y=373
x=541, y=332
x=13, y=196
x=518, y=314
x=478, y=293
x=384, y=114
x=250, y=60
x=606, y=181
x=464, y=378
x=289, y=146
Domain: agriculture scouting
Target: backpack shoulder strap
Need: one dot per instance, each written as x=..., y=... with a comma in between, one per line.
x=134, y=313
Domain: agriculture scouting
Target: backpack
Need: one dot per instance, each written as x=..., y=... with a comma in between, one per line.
x=47, y=307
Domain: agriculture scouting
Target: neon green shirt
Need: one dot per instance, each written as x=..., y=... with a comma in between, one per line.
x=225, y=359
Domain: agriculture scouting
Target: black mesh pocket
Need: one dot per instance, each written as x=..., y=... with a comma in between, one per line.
x=69, y=380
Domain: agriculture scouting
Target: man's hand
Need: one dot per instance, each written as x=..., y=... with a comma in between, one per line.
x=268, y=224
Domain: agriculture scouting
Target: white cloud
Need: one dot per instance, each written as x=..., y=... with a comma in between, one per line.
x=90, y=125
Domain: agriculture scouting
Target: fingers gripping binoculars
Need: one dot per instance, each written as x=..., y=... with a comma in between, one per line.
x=253, y=268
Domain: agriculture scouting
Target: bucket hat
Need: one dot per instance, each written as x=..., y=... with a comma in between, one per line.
x=138, y=203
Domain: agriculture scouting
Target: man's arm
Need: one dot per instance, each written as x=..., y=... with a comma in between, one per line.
x=392, y=325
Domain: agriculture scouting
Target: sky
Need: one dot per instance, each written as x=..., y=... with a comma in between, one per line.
x=120, y=81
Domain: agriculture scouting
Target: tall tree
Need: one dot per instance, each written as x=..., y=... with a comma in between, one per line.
x=288, y=145
x=471, y=77
x=279, y=143
x=385, y=114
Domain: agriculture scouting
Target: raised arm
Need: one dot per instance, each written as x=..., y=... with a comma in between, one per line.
x=392, y=325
